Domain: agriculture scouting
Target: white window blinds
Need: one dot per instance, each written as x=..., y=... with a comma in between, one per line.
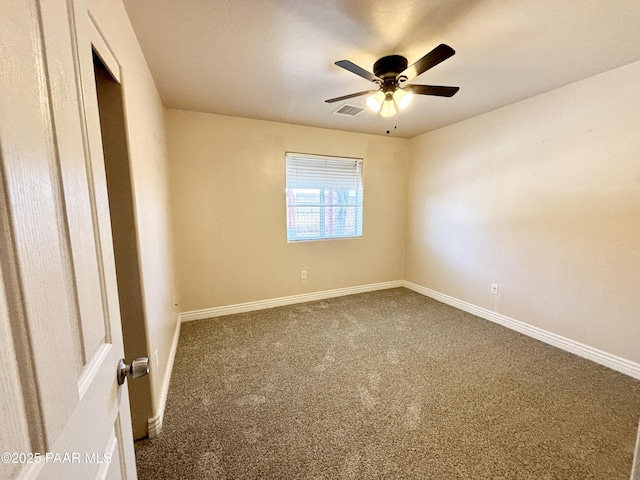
x=324, y=197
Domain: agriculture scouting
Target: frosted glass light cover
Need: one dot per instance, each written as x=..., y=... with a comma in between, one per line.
x=374, y=102
x=402, y=98
x=388, y=107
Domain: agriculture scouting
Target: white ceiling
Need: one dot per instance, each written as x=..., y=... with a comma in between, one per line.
x=274, y=59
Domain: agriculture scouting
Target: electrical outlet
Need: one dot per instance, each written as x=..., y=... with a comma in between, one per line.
x=494, y=288
x=303, y=274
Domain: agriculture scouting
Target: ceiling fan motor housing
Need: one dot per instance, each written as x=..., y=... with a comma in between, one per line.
x=389, y=67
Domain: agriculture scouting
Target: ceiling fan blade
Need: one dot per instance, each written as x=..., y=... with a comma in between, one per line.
x=353, y=68
x=437, y=90
x=430, y=60
x=337, y=99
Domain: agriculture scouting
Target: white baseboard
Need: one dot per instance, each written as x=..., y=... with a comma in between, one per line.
x=603, y=358
x=290, y=300
x=155, y=423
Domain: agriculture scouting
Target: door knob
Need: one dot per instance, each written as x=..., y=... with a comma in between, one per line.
x=138, y=368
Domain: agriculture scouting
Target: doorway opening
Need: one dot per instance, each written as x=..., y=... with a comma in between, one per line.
x=125, y=238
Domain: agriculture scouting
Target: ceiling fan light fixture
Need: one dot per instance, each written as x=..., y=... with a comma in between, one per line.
x=374, y=102
x=390, y=74
x=388, y=107
x=402, y=98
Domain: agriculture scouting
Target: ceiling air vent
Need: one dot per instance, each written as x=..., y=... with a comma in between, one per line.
x=348, y=110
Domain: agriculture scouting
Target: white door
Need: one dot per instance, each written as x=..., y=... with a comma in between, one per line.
x=62, y=413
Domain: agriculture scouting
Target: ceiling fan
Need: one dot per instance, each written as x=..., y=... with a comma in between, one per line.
x=391, y=73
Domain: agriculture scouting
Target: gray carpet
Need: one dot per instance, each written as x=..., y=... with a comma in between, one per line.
x=388, y=384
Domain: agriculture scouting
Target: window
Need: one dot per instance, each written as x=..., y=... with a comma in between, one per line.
x=324, y=197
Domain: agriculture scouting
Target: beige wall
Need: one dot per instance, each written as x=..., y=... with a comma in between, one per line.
x=145, y=128
x=227, y=177
x=543, y=198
